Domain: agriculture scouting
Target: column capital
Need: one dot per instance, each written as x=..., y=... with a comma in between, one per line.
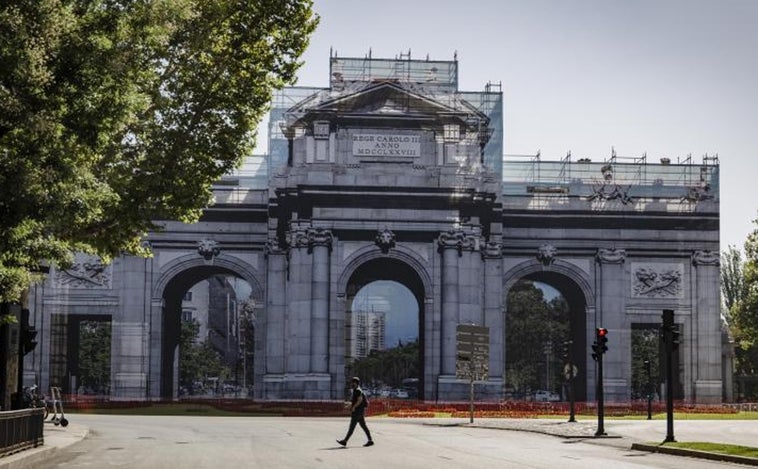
x=706, y=258
x=610, y=256
x=297, y=238
x=273, y=248
x=451, y=239
x=492, y=250
x=319, y=237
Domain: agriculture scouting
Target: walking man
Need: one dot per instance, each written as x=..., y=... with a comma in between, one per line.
x=358, y=405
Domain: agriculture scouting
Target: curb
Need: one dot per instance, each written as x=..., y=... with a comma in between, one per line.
x=545, y=430
x=695, y=454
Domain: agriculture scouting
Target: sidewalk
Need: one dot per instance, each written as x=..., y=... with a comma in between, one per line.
x=633, y=434
x=56, y=437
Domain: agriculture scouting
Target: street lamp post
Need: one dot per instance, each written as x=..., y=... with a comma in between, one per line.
x=649, y=391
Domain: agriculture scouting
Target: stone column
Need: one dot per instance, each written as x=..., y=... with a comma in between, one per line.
x=298, y=310
x=612, y=293
x=470, y=277
x=276, y=308
x=155, y=360
x=492, y=254
x=320, y=244
x=707, y=342
x=450, y=244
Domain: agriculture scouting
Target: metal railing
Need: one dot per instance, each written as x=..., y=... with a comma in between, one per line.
x=20, y=430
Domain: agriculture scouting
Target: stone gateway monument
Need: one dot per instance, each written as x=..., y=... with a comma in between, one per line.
x=393, y=174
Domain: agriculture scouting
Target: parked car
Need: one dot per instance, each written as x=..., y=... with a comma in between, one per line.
x=546, y=396
x=399, y=394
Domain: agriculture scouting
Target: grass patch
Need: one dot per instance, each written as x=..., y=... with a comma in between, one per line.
x=690, y=416
x=720, y=448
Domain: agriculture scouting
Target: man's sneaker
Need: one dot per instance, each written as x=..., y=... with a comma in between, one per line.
x=369, y=443
x=342, y=442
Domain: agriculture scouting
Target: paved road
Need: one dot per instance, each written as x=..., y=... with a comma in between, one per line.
x=261, y=442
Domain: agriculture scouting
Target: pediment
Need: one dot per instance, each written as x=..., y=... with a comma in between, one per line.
x=385, y=99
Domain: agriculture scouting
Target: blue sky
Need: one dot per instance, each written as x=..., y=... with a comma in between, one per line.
x=663, y=77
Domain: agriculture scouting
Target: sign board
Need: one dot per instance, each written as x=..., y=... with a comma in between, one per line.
x=473, y=352
x=570, y=371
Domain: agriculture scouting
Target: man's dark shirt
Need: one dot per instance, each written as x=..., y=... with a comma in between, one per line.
x=357, y=393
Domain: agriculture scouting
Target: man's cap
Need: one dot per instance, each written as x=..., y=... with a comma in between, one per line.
x=356, y=380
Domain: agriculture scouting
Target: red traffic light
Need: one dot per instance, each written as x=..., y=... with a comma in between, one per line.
x=602, y=332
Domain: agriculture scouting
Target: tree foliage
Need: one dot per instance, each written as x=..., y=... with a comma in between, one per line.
x=732, y=281
x=535, y=330
x=197, y=361
x=390, y=366
x=646, y=347
x=744, y=315
x=118, y=113
x=95, y=356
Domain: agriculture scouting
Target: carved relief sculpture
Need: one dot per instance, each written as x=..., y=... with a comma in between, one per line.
x=657, y=280
x=546, y=254
x=702, y=191
x=89, y=273
x=607, y=189
x=208, y=248
x=385, y=239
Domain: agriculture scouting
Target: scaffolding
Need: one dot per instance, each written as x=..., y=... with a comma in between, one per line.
x=440, y=74
x=686, y=179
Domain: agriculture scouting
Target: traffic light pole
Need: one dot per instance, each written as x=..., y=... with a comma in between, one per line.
x=600, y=404
x=649, y=388
x=599, y=348
x=668, y=337
x=572, y=411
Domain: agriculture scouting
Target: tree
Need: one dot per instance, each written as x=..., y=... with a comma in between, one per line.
x=732, y=281
x=646, y=346
x=390, y=366
x=745, y=320
x=534, y=328
x=95, y=355
x=197, y=361
x=115, y=114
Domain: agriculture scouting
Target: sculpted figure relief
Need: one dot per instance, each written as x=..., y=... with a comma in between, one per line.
x=385, y=239
x=208, y=248
x=90, y=273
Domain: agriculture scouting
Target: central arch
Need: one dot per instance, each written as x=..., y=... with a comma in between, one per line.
x=401, y=268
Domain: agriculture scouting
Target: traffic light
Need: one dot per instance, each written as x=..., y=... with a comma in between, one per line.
x=670, y=330
x=601, y=339
x=675, y=337
x=28, y=337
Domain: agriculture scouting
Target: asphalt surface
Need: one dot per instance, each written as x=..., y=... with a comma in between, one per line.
x=641, y=435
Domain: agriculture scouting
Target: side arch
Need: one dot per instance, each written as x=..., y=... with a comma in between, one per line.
x=173, y=279
x=576, y=288
x=223, y=263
